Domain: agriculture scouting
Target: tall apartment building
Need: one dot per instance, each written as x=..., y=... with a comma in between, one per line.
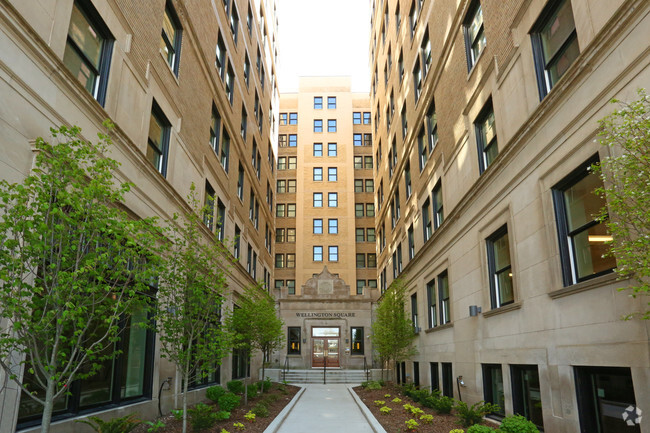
x=485, y=119
x=325, y=260
x=191, y=87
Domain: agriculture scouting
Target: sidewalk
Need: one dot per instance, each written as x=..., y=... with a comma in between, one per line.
x=326, y=408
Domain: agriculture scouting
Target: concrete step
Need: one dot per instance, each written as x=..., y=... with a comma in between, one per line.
x=332, y=376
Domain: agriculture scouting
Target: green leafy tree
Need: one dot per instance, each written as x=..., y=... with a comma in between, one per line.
x=626, y=178
x=72, y=265
x=191, y=292
x=256, y=325
x=392, y=331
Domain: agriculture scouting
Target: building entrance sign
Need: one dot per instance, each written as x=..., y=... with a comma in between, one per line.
x=325, y=347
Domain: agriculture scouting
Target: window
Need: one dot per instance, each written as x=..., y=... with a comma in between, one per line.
x=425, y=50
x=360, y=285
x=432, y=127
x=372, y=284
x=279, y=284
x=221, y=220
x=208, y=200
x=370, y=234
x=443, y=294
x=474, y=34
x=332, y=199
x=215, y=130
x=422, y=150
x=417, y=80
x=356, y=139
x=317, y=253
x=283, y=118
x=234, y=23
x=400, y=66
x=318, y=174
x=230, y=84
x=291, y=260
x=331, y=149
x=407, y=179
x=281, y=186
x=358, y=185
x=367, y=139
x=220, y=57
x=526, y=395
x=366, y=118
x=358, y=210
x=279, y=260
x=367, y=162
x=170, y=41
x=292, y=161
x=486, y=137
x=333, y=254
x=603, y=394
x=372, y=260
x=224, y=158
x=291, y=210
x=398, y=19
x=247, y=70
x=493, y=387
x=291, y=287
x=413, y=19
x=237, y=247
x=356, y=334
x=435, y=378
x=331, y=125
x=293, y=140
x=398, y=254
x=356, y=118
x=280, y=210
x=318, y=199
x=158, y=140
x=318, y=226
x=318, y=149
x=331, y=102
x=361, y=260
x=279, y=236
x=358, y=162
x=584, y=242
x=370, y=209
x=360, y=235
x=318, y=102
x=411, y=242
x=438, y=214
x=414, y=311
x=432, y=305
x=331, y=174
x=291, y=186
x=426, y=220
x=333, y=226
x=249, y=20
x=88, y=49
x=282, y=163
x=370, y=186
x=244, y=123
x=447, y=380
x=500, y=270
x=318, y=125
x=555, y=44
x=293, y=348
x=291, y=235
x=282, y=140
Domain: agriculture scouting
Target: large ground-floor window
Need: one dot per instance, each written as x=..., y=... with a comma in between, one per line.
x=241, y=366
x=122, y=379
x=526, y=396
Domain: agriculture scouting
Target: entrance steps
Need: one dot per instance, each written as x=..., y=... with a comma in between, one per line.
x=333, y=375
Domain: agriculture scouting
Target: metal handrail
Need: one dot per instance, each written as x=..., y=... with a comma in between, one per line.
x=366, y=369
x=324, y=368
x=285, y=368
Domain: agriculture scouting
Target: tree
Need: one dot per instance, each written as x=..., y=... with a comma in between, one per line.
x=256, y=324
x=72, y=265
x=191, y=292
x=626, y=178
x=392, y=331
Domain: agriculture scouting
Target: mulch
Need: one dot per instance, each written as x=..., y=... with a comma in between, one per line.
x=395, y=420
x=237, y=415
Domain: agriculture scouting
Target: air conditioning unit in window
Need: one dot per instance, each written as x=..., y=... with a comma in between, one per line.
x=417, y=329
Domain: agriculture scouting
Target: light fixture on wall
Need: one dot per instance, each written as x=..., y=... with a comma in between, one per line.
x=474, y=310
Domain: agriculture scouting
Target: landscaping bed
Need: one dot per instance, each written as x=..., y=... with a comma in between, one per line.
x=275, y=400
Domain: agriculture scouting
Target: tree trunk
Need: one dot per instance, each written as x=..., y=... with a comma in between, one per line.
x=263, y=376
x=185, y=385
x=46, y=419
x=245, y=391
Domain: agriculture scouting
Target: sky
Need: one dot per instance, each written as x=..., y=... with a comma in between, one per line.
x=323, y=37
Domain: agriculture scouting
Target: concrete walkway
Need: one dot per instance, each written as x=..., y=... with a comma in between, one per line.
x=326, y=408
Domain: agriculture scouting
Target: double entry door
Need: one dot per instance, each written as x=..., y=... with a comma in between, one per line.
x=325, y=347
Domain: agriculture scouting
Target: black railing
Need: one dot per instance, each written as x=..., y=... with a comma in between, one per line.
x=285, y=368
x=366, y=369
x=324, y=369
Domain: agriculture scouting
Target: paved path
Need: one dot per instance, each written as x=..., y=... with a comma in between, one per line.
x=326, y=408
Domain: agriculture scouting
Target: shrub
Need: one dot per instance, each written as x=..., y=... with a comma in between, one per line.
x=517, y=424
x=396, y=400
x=214, y=392
x=269, y=399
x=251, y=391
x=266, y=383
x=386, y=395
x=283, y=389
x=154, y=426
x=444, y=404
x=407, y=407
x=429, y=402
x=239, y=426
x=261, y=410
x=222, y=415
x=477, y=428
x=379, y=402
x=417, y=411
x=372, y=384
x=420, y=395
x=201, y=417
x=178, y=414
x=229, y=401
x=457, y=430
x=124, y=424
x=470, y=415
x=235, y=386
x=408, y=389
x=250, y=416
x=411, y=424
x=385, y=410
x=427, y=419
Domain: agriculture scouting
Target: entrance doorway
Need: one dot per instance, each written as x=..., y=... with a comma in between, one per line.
x=325, y=346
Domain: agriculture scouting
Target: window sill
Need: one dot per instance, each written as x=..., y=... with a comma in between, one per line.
x=583, y=286
x=504, y=309
x=438, y=328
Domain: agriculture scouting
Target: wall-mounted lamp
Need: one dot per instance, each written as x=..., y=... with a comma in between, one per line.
x=461, y=382
x=304, y=340
x=474, y=310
